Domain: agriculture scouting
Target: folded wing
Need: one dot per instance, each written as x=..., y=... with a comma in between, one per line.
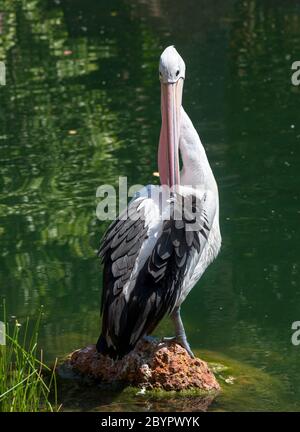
x=145, y=264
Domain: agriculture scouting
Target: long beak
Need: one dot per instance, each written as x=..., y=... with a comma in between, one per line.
x=168, y=151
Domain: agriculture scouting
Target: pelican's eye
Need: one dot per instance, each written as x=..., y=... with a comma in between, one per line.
x=177, y=73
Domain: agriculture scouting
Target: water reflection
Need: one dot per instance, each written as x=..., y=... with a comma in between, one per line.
x=81, y=107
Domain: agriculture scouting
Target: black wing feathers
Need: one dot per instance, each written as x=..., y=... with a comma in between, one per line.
x=154, y=293
x=119, y=251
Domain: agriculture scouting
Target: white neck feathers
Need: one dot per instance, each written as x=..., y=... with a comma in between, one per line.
x=196, y=170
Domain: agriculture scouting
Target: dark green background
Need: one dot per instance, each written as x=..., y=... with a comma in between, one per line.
x=82, y=106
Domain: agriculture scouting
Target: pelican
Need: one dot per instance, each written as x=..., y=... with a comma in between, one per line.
x=154, y=255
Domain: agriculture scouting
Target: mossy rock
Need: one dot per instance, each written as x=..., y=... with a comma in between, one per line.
x=243, y=388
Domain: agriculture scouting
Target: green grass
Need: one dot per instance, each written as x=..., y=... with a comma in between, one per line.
x=26, y=383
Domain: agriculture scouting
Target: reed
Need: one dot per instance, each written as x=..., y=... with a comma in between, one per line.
x=26, y=382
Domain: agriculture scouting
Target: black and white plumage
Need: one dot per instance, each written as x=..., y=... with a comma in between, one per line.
x=155, y=252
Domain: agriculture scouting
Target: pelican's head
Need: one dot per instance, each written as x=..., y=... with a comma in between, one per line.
x=171, y=75
x=171, y=66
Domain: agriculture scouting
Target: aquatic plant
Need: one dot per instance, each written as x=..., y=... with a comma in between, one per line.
x=26, y=382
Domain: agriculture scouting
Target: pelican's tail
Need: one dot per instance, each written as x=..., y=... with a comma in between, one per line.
x=103, y=348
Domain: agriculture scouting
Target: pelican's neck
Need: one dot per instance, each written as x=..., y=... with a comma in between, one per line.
x=196, y=171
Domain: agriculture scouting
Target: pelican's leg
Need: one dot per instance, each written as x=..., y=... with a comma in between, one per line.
x=180, y=336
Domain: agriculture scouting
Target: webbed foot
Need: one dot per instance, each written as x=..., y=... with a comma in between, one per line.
x=181, y=340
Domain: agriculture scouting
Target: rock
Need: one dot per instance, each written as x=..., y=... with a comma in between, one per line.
x=151, y=365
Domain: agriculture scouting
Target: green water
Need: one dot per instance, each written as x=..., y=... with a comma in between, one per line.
x=81, y=107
